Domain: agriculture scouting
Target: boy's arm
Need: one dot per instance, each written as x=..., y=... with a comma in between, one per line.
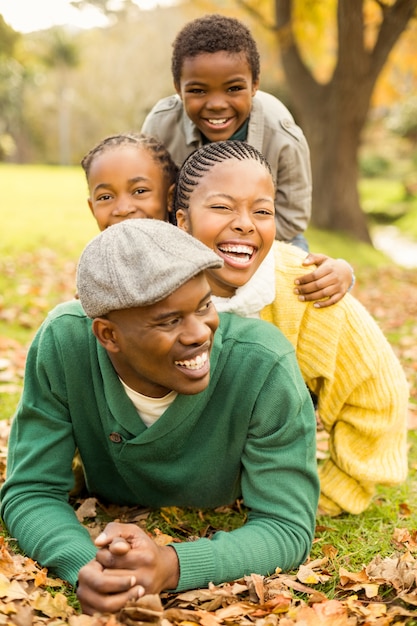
x=328, y=283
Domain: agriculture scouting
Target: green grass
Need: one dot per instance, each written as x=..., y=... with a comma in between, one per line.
x=382, y=196
x=340, y=245
x=386, y=202
x=46, y=224
x=44, y=207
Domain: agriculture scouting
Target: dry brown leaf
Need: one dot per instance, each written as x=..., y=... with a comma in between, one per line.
x=161, y=539
x=11, y=589
x=405, y=537
x=235, y=610
x=293, y=584
x=331, y=612
x=398, y=572
x=255, y=583
x=145, y=610
x=52, y=606
x=347, y=577
x=409, y=598
x=207, y=619
x=180, y=616
x=228, y=589
x=307, y=575
x=87, y=509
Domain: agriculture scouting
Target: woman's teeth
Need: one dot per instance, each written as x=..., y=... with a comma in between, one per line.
x=238, y=252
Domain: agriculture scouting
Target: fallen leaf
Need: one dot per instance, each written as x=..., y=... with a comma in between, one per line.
x=87, y=509
x=52, y=606
x=11, y=589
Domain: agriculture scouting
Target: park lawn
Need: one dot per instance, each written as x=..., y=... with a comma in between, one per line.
x=47, y=222
x=44, y=206
x=384, y=200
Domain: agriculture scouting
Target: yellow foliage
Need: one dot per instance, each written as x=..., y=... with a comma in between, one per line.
x=315, y=29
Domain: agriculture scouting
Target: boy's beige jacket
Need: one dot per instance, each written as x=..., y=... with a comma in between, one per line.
x=272, y=131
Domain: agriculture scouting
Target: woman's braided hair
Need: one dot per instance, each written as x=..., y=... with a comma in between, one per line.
x=214, y=33
x=202, y=160
x=155, y=148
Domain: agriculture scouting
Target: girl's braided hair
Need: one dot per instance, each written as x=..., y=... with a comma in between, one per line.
x=156, y=148
x=200, y=161
x=214, y=33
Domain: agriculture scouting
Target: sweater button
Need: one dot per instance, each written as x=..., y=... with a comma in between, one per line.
x=115, y=437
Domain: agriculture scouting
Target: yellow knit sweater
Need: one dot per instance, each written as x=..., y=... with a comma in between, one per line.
x=361, y=388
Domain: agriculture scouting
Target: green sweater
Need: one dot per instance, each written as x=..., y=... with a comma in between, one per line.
x=249, y=434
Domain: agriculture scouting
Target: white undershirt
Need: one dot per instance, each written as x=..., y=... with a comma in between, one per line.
x=149, y=409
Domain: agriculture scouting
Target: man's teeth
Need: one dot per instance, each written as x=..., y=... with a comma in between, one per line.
x=194, y=364
x=217, y=121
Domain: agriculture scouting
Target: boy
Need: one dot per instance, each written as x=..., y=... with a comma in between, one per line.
x=215, y=68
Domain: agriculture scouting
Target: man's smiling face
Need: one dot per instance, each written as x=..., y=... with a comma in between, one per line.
x=165, y=346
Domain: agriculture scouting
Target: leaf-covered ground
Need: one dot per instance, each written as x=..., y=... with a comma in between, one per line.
x=322, y=592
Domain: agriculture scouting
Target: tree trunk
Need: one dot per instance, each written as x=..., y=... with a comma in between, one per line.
x=333, y=115
x=334, y=156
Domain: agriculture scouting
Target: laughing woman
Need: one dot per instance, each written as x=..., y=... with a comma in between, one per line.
x=225, y=198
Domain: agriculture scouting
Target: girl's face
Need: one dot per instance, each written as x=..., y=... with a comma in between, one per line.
x=231, y=210
x=126, y=182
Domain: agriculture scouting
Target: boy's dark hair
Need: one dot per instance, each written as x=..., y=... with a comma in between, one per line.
x=200, y=161
x=214, y=33
x=155, y=147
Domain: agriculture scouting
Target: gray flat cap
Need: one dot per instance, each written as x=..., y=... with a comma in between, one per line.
x=136, y=263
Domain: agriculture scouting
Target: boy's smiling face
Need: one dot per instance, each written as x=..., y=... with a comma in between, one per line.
x=231, y=210
x=217, y=90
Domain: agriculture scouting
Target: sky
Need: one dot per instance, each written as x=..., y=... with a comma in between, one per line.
x=28, y=15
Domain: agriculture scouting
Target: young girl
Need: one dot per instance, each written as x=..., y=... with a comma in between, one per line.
x=225, y=197
x=132, y=175
x=129, y=176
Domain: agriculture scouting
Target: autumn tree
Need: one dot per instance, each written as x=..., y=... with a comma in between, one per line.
x=11, y=80
x=333, y=112
x=62, y=55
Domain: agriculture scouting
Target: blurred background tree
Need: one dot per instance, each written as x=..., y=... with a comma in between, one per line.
x=345, y=68
x=62, y=56
x=333, y=53
x=11, y=85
